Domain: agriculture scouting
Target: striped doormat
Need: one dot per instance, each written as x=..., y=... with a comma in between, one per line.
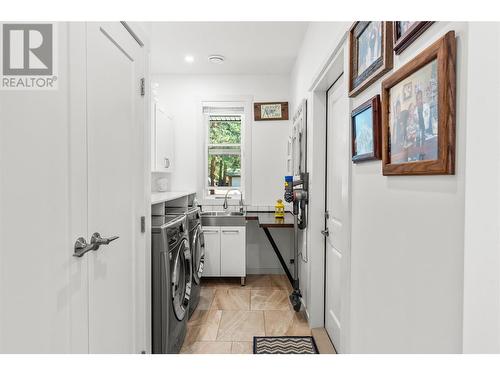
x=284, y=345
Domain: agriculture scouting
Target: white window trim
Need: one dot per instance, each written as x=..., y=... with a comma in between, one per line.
x=246, y=146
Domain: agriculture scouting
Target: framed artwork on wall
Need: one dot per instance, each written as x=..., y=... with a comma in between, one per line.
x=270, y=111
x=405, y=33
x=365, y=122
x=370, y=46
x=418, y=113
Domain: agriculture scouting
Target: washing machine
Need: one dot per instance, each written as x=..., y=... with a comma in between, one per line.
x=197, y=244
x=171, y=282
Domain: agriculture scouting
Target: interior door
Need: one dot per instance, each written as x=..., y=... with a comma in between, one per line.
x=115, y=107
x=337, y=204
x=40, y=281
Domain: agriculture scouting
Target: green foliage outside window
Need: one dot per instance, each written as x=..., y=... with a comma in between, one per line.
x=224, y=162
x=223, y=132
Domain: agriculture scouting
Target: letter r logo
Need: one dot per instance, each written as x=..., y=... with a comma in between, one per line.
x=27, y=49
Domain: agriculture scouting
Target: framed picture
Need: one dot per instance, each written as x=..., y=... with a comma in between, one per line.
x=270, y=111
x=405, y=33
x=365, y=122
x=418, y=130
x=370, y=45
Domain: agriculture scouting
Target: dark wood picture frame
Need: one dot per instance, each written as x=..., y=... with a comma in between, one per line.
x=444, y=52
x=257, y=111
x=402, y=41
x=374, y=104
x=359, y=82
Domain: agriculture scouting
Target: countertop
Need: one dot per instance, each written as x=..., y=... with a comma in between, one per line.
x=165, y=196
x=267, y=219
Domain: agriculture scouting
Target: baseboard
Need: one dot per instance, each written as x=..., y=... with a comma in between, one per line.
x=265, y=271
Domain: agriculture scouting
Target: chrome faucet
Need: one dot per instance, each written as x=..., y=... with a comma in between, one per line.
x=241, y=199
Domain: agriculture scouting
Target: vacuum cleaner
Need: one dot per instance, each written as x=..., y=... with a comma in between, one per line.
x=297, y=192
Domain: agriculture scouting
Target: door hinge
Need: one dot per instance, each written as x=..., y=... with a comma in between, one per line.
x=327, y=215
x=143, y=224
x=143, y=87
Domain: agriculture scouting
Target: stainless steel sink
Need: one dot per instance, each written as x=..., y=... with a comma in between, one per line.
x=223, y=219
x=222, y=213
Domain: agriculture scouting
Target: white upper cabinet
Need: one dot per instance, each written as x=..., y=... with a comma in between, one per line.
x=163, y=141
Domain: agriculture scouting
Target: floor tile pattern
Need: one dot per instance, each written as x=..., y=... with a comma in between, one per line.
x=229, y=315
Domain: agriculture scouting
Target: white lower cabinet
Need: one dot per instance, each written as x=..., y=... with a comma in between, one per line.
x=212, y=251
x=225, y=251
x=232, y=251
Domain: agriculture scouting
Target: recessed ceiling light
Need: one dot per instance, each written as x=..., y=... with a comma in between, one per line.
x=216, y=59
x=189, y=58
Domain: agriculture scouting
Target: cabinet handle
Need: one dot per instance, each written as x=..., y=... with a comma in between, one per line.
x=231, y=231
x=210, y=231
x=167, y=162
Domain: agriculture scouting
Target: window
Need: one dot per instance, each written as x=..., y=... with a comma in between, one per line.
x=224, y=170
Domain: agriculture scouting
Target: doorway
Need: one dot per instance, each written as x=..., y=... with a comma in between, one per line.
x=336, y=230
x=330, y=221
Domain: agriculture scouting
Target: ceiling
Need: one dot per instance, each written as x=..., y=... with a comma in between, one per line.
x=249, y=47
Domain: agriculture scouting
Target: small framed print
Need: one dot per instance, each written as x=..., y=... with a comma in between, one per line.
x=418, y=113
x=270, y=111
x=371, y=56
x=365, y=122
x=405, y=33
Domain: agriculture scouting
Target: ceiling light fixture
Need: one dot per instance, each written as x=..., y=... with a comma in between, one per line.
x=216, y=59
x=189, y=58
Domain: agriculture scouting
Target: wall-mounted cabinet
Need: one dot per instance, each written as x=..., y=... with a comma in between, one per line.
x=163, y=141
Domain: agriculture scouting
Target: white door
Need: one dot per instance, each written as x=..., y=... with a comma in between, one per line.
x=115, y=126
x=232, y=251
x=337, y=205
x=68, y=170
x=212, y=251
x=39, y=277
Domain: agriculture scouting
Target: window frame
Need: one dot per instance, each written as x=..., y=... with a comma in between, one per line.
x=218, y=105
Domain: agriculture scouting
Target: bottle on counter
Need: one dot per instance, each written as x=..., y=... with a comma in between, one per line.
x=279, y=209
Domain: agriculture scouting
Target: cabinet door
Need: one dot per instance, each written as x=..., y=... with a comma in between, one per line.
x=212, y=251
x=233, y=257
x=164, y=141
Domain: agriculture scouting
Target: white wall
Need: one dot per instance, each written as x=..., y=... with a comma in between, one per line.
x=181, y=95
x=407, y=241
x=407, y=250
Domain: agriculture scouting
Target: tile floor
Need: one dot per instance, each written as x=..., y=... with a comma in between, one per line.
x=228, y=315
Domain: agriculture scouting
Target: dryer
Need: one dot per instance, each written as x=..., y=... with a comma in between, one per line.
x=197, y=244
x=171, y=282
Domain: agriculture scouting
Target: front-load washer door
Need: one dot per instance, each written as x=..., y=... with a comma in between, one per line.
x=181, y=279
x=198, y=254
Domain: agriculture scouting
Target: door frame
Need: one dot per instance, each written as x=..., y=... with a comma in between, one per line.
x=332, y=69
